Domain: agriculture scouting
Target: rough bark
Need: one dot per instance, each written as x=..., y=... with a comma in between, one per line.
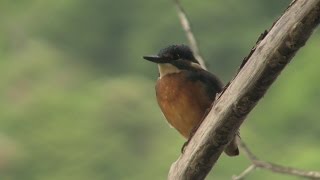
x=272, y=53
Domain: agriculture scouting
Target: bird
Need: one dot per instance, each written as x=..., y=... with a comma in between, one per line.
x=185, y=91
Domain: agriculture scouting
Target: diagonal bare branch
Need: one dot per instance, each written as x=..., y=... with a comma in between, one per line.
x=263, y=65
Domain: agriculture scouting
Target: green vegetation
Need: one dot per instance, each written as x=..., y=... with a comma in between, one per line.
x=78, y=101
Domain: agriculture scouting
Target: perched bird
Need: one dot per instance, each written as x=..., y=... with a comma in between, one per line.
x=185, y=91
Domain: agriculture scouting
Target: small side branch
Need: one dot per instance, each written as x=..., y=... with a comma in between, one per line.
x=257, y=163
x=188, y=31
x=245, y=173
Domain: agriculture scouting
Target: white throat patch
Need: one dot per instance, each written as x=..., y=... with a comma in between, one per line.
x=167, y=68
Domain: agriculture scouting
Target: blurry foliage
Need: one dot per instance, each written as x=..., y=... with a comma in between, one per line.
x=78, y=101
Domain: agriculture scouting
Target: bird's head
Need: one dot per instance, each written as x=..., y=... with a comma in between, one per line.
x=171, y=54
x=173, y=59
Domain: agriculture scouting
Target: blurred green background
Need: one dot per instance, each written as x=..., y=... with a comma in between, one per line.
x=78, y=101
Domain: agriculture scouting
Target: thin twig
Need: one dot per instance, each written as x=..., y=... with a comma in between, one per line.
x=246, y=150
x=271, y=166
x=187, y=28
x=244, y=173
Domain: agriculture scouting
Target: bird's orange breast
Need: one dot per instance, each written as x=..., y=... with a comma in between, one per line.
x=182, y=101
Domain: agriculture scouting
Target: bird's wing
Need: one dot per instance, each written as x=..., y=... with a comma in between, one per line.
x=212, y=84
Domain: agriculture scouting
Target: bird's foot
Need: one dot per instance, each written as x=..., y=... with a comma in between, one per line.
x=193, y=131
x=185, y=145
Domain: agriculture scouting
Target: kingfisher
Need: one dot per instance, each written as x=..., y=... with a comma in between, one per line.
x=185, y=91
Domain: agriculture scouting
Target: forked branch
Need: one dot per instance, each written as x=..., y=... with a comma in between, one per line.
x=257, y=163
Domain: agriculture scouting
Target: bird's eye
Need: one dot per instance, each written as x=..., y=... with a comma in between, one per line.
x=167, y=55
x=177, y=56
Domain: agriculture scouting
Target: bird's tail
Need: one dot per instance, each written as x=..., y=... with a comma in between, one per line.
x=232, y=148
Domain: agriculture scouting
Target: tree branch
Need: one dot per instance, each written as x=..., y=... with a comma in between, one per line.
x=257, y=163
x=187, y=28
x=259, y=70
x=245, y=173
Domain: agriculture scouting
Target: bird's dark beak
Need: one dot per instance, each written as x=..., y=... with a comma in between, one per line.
x=156, y=59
